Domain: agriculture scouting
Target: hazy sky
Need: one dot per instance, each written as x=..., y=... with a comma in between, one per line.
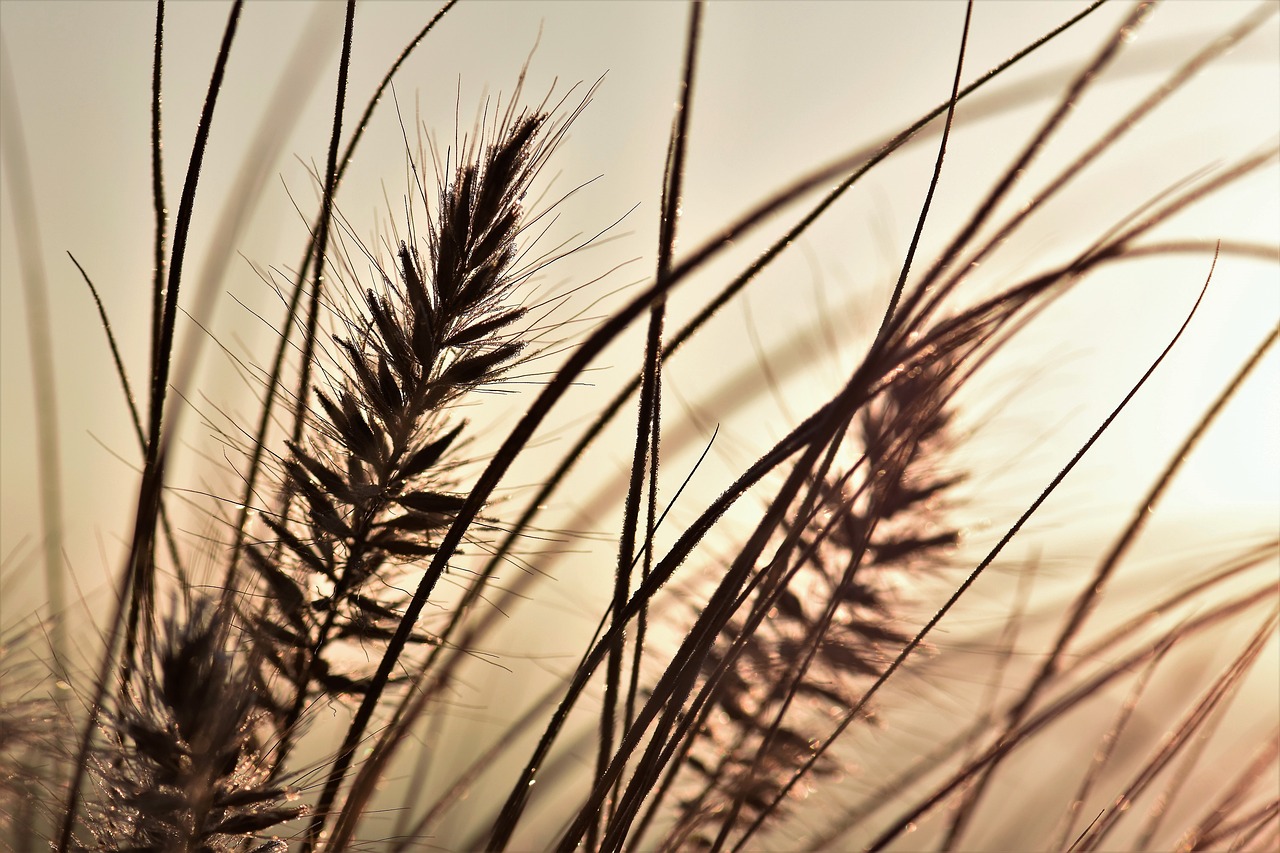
x=782, y=88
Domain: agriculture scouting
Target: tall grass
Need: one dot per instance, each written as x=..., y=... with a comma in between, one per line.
x=506, y=544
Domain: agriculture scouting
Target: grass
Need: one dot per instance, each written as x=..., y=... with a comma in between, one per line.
x=507, y=542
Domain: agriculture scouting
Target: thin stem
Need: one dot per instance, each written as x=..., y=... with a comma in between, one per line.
x=136, y=579
x=648, y=419
x=1091, y=592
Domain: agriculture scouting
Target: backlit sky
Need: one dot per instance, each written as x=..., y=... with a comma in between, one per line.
x=783, y=87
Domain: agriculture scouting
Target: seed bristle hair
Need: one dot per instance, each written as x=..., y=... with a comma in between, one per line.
x=367, y=487
x=823, y=617
x=181, y=763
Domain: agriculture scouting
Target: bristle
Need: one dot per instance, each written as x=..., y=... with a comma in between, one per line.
x=830, y=620
x=378, y=440
x=182, y=768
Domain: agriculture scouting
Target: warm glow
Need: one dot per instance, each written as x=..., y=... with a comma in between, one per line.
x=782, y=89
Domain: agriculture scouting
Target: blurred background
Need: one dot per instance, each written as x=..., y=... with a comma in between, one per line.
x=782, y=89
